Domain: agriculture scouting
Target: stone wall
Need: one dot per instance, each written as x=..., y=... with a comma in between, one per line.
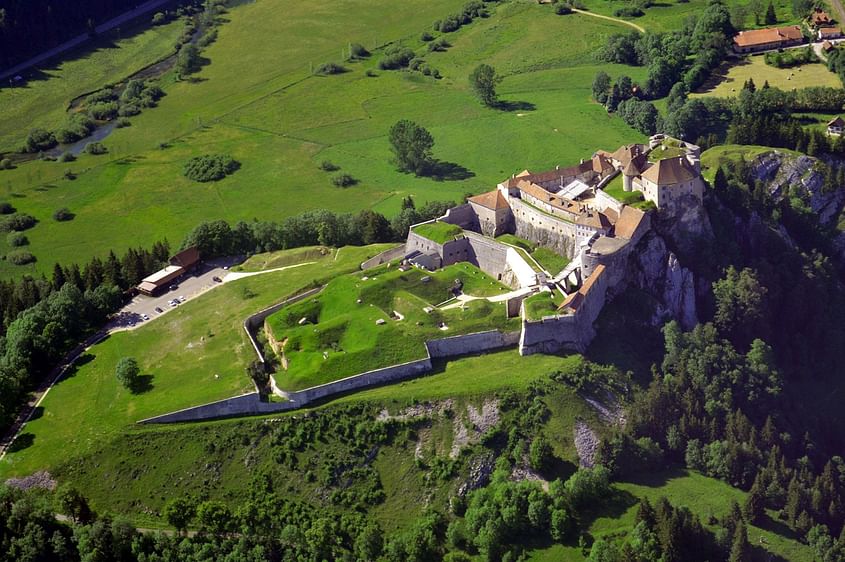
x=572, y=331
x=471, y=343
x=463, y=216
x=547, y=231
x=603, y=201
x=251, y=404
x=384, y=257
x=252, y=323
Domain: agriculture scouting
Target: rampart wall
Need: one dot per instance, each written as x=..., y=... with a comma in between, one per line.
x=252, y=404
x=384, y=257
x=571, y=331
x=463, y=216
x=545, y=230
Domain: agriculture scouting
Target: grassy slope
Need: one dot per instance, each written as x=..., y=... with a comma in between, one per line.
x=193, y=354
x=272, y=124
x=342, y=337
x=702, y=495
x=136, y=470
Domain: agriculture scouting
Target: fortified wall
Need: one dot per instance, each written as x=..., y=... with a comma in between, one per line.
x=542, y=229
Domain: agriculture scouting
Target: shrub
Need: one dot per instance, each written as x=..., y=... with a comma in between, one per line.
x=96, y=148
x=5, y=164
x=371, y=73
x=20, y=257
x=63, y=214
x=439, y=45
x=103, y=111
x=101, y=96
x=122, y=122
x=159, y=18
x=78, y=126
x=426, y=36
x=344, y=180
x=329, y=68
x=357, y=51
x=628, y=12
x=132, y=90
x=563, y=9
x=210, y=167
x=39, y=139
x=328, y=166
x=66, y=157
x=17, y=222
x=128, y=110
x=16, y=239
x=396, y=57
x=69, y=175
x=6, y=208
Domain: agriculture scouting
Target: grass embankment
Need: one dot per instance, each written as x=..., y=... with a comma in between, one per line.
x=543, y=304
x=615, y=190
x=727, y=81
x=703, y=496
x=194, y=354
x=439, y=232
x=332, y=335
x=282, y=122
x=710, y=158
x=135, y=473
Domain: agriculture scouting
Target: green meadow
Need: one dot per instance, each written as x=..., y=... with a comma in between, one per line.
x=258, y=101
x=191, y=355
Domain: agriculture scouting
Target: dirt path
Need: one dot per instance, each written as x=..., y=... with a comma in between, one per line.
x=617, y=20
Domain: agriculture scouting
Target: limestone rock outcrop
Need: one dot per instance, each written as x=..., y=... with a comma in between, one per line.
x=657, y=271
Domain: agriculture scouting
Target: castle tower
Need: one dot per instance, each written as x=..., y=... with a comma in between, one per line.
x=627, y=182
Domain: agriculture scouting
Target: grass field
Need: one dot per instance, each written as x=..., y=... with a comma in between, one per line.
x=194, y=354
x=281, y=122
x=702, y=495
x=42, y=101
x=440, y=232
x=727, y=81
x=374, y=319
x=615, y=190
x=543, y=304
x=710, y=158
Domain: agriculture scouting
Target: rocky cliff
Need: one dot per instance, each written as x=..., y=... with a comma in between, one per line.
x=656, y=270
x=803, y=176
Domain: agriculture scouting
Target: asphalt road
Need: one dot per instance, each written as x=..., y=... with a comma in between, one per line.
x=132, y=315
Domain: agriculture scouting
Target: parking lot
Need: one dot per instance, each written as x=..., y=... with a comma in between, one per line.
x=143, y=309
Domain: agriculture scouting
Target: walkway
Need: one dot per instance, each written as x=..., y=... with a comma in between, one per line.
x=617, y=20
x=144, y=8
x=462, y=298
x=235, y=275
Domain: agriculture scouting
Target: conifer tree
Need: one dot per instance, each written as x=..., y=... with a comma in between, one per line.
x=755, y=501
x=740, y=549
x=771, y=15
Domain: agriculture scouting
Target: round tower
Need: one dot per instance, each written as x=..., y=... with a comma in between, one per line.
x=627, y=182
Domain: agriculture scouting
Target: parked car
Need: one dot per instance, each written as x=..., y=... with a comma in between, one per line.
x=181, y=299
x=216, y=279
x=174, y=287
x=174, y=303
x=145, y=317
x=159, y=309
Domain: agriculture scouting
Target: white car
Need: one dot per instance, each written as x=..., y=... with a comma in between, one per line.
x=181, y=299
x=173, y=303
x=145, y=317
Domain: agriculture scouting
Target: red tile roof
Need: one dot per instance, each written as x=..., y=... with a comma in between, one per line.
x=761, y=37
x=493, y=200
x=629, y=221
x=669, y=171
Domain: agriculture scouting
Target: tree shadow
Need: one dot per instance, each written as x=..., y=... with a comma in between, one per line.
x=142, y=384
x=777, y=527
x=449, y=171
x=23, y=441
x=37, y=413
x=83, y=359
x=504, y=105
x=613, y=507
x=656, y=479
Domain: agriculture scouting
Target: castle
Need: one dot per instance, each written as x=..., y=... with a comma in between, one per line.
x=568, y=211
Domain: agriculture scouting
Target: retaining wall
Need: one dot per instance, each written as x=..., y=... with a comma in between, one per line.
x=545, y=230
x=251, y=404
x=252, y=323
x=384, y=257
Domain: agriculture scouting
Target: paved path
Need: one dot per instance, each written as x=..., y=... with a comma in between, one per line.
x=117, y=21
x=130, y=317
x=617, y=20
